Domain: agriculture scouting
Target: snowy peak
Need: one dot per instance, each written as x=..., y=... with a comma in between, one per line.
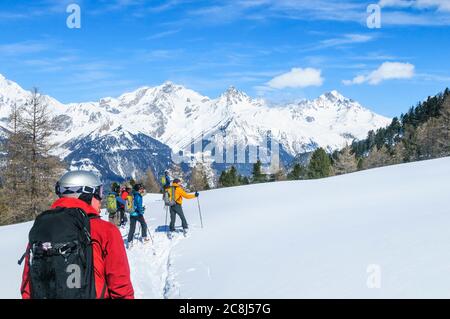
x=234, y=96
x=334, y=96
x=10, y=88
x=169, y=87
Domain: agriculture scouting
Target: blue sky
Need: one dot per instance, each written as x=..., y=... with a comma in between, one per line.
x=278, y=49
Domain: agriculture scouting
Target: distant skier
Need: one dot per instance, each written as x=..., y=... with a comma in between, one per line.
x=137, y=215
x=125, y=195
x=165, y=180
x=115, y=205
x=177, y=193
x=71, y=241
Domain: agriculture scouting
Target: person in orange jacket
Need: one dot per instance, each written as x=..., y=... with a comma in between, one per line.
x=177, y=209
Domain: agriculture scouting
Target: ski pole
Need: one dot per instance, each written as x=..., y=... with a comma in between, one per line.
x=150, y=234
x=200, y=212
x=139, y=232
x=167, y=213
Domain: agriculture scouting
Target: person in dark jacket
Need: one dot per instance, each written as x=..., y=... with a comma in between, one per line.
x=83, y=190
x=137, y=215
x=166, y=180
x=124, y=195
x=116, y=218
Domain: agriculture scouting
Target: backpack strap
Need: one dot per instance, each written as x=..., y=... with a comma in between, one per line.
x=102, y=296
x=25, y=254
x=173, y=193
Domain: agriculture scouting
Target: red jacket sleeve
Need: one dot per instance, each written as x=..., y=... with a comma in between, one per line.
x=117, y=269
x=25, y=286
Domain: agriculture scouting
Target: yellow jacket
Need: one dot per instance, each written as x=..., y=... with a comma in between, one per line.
x=179, y=193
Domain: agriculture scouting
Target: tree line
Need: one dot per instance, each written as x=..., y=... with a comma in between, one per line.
x=421, y=133
x=29, y=170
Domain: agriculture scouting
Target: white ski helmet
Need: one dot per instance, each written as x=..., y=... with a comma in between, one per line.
x=75, y=183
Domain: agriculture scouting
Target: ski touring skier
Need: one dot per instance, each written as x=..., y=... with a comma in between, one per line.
x=72, y=253
x=176, y=193
x=115, y=205
x=126, y=196
x=165, y=180
x=137, y=215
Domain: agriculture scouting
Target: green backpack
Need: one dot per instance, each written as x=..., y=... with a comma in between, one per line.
x=111, y=203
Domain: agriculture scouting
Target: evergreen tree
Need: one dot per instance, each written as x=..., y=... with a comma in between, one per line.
x=297, y=172
x=223, y=179
x=243, y=180
x=233, y=176
x=257, y=175
x=319, y=165
x=443, y=139
x=230, y=178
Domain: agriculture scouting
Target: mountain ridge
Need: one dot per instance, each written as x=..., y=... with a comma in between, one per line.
x=176, y=116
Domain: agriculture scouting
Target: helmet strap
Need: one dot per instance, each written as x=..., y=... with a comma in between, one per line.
x=87, y=198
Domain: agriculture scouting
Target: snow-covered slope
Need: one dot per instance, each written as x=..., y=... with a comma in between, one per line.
x=177, y=116
x=319, y=238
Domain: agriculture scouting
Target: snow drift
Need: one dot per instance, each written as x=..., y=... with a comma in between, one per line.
x=300, y=239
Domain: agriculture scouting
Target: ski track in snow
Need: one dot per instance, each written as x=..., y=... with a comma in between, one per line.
x=151, y=264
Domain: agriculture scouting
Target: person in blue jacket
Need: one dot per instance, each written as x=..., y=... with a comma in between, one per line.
x=166, y=180
x=137, y=215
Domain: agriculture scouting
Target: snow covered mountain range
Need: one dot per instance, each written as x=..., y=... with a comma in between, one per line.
x=138, y=130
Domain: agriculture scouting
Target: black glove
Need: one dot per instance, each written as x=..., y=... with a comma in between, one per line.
x=196, y=194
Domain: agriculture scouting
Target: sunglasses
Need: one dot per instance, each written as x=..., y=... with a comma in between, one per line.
x=96, y=191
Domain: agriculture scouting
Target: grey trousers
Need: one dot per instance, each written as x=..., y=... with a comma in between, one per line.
x=174, y=211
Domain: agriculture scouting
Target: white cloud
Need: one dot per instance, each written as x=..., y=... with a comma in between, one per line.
x=386, y=71
x=163, y=34
x=26, y=47
x=297, y=78
x=344, y=40
x=347, y=39
x=441, y=5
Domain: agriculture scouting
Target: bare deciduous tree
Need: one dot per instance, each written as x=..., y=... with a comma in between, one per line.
x=150, y=182
x=31, y=171
x=346, y=162
x=199, y=180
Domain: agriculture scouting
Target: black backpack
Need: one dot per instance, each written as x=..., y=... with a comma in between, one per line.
x=61, y=255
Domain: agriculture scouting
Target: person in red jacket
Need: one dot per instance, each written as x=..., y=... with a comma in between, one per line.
x=124, y=195
x=83, y=190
